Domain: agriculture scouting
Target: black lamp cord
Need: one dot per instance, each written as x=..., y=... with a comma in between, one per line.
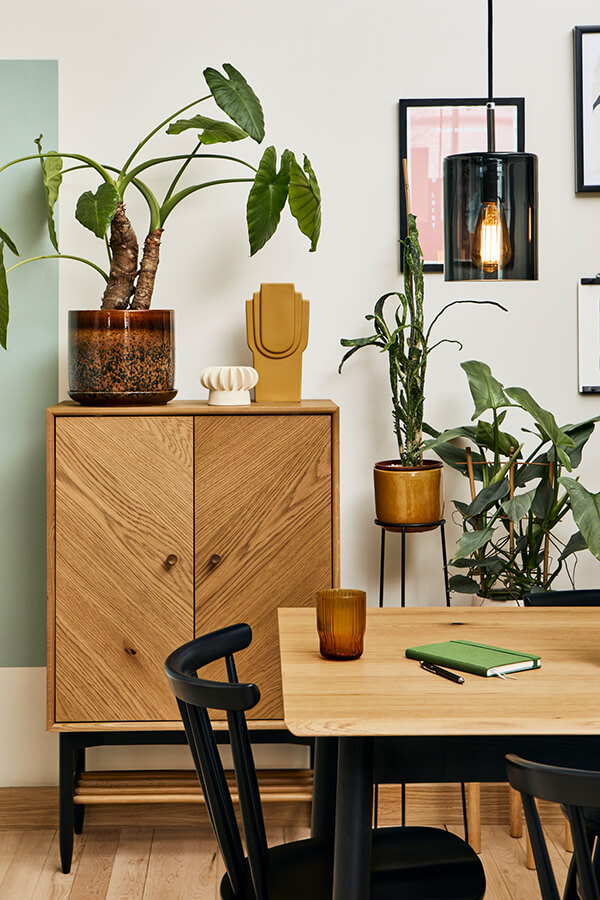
x=491, y=117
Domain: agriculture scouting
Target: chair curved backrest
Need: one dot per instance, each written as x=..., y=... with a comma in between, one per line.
x=573, y=789
x=195, y=696
x=589, y=597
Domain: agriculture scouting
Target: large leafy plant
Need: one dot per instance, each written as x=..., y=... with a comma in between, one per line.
x=509, y=541
x=407, y=342
x=130, y=281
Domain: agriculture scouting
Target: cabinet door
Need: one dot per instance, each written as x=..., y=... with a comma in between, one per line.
x=264, y=516
x=124, y=503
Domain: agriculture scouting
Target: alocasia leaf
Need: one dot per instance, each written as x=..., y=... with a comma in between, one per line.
x=3, y=298
x=470, y=541
x=214, y=131
x=52, y=177
x=96, y=211
x=487, y=392
x=237, y=99
x=305, y=201
x=267, y=198
x=545, y=421
x=462, y=584
x=586, y=512
x=518, y=506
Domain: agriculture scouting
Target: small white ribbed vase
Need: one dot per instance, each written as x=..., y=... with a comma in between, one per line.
x=229, y=385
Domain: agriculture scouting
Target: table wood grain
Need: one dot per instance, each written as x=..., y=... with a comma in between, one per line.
x=384, y=693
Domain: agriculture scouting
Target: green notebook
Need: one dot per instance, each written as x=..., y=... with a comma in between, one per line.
x=479, y=659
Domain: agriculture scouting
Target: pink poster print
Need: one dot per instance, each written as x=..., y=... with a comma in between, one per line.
x=433, y=132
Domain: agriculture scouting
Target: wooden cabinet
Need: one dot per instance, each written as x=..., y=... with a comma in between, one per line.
x=166, y=522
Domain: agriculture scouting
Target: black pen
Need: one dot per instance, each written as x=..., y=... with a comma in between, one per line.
x=451, y=676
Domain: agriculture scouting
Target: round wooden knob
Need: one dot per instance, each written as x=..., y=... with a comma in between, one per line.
x=214, y=560
x=171, y=560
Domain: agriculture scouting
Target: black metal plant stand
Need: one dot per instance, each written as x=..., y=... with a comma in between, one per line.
x=403, y=528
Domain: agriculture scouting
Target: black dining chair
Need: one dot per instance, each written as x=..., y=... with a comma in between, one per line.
x=574, y=598
x=574, y=789
x=588, y=597
x=412, y=862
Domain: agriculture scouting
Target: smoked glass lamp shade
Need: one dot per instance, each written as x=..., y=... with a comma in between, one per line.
x=490, y=217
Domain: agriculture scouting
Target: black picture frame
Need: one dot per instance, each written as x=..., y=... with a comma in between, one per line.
x=479, y=144
x=587, y=169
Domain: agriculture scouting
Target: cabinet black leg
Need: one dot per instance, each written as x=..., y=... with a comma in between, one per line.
x=79, y=808
x=66, y=807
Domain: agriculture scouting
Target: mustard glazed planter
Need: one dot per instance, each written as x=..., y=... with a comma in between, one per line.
x=408, y=495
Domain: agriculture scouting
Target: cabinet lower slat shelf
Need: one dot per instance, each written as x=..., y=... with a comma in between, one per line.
x=177, y=786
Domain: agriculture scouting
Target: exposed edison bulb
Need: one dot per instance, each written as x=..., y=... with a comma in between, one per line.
x=490, y=247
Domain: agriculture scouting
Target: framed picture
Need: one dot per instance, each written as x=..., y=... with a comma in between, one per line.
x=433, y=129
x=587, y=108
x=588, y=326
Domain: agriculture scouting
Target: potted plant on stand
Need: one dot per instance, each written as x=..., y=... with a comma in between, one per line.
x=509, y=545
x=408, y=489
x=123, y=352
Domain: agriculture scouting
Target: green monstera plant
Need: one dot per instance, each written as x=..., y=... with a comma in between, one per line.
x=129, y=279
x=509, y=546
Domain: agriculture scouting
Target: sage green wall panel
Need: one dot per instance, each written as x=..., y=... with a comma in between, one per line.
x=29, y=370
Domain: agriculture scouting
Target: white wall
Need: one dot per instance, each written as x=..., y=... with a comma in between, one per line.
x=329, y=75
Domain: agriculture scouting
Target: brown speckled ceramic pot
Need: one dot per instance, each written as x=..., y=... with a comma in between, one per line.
x=121, y=357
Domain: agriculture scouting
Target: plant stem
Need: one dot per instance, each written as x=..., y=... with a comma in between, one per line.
x=170, y=205
x=59, y=256
x=89, y=163
x=181, y=171
x=158, y=127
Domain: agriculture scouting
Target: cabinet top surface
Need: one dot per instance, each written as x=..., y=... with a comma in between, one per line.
x=195, y=408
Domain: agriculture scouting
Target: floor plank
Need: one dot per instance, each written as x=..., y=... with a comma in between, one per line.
x=95, y=866
x=182, y=866
x=53, y=884
x=509, y=857
x=24, y=861
x=128, y=877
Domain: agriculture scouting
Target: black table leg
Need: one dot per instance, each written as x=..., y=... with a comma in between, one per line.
x=66, y=807
x=354, y=810
x=324, y=788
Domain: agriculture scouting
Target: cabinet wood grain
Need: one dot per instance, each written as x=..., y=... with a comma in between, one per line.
x=124, y=503
x=264, y=509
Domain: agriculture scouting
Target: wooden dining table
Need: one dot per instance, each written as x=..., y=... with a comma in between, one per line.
x=383, y=719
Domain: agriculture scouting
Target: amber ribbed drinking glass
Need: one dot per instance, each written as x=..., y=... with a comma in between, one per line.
x=341, y=622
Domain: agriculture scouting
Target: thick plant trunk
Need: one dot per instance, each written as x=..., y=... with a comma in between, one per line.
x=124, y=247
x=148, y=267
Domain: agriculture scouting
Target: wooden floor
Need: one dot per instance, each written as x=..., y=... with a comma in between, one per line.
x=176, y=863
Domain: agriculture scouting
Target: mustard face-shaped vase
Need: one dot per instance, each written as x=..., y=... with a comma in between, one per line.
x=277, y=329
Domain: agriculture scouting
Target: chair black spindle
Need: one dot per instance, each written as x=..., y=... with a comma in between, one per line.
x=216, y=793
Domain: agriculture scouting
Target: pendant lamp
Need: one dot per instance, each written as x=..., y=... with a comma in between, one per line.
x=490, y=207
